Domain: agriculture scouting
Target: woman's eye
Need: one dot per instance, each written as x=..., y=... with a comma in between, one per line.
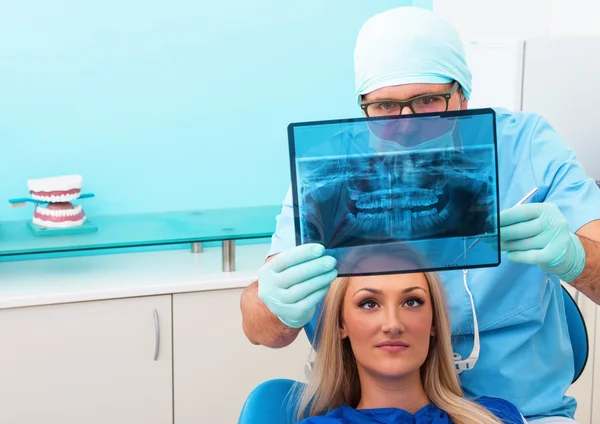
x=368, y=304
x=413, y=303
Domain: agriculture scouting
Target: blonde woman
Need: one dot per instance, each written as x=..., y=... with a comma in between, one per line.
x=385, y=356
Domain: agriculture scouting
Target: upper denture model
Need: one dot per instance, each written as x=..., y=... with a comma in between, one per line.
x=54, y=195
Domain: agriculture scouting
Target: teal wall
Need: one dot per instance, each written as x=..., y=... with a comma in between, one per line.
x=169, y=105
x=425, y=4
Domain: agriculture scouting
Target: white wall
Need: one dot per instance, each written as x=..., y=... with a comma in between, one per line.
x=521, y=18
x=497, y=18
x=576, y=17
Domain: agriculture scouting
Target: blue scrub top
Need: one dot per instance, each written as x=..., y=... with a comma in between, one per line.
x=431, y=414
x=526, y=355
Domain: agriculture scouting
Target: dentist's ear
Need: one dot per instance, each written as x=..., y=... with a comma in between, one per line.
x=361, y=109
x=464, y=103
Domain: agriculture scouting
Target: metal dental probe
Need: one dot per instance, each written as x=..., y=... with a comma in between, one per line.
x=523, y=200
x=527, y=196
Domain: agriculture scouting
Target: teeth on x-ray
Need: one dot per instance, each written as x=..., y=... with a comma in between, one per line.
x=394, y=198
x=398, y=197
x=429, y=212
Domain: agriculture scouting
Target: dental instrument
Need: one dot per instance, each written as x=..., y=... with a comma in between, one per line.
x=527, y=196
x=523, y=200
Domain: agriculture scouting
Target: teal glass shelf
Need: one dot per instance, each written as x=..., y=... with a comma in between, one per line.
x=142, y=230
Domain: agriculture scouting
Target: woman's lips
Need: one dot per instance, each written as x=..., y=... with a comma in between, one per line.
x=392, y=346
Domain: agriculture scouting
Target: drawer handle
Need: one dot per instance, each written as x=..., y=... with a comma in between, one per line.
x=157, y=333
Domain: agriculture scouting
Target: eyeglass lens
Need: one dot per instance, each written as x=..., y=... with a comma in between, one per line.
x=426, y=104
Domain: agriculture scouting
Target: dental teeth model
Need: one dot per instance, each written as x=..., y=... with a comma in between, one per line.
x=53, y=197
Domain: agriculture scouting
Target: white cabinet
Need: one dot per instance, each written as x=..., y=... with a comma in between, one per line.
x=90, y=362
x=215, y=366
x=582, y=389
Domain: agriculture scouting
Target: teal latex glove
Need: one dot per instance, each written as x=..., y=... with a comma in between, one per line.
x=538, y=234
x=293, y=283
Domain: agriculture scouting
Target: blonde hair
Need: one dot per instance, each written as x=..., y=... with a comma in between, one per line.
x=335, y=381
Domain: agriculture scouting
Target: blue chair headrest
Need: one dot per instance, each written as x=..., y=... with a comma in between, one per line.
x=272, y=402
x=577, y=333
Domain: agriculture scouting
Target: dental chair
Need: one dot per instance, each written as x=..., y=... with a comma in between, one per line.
x=273, y=401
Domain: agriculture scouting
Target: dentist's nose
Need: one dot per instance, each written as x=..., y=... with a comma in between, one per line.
x=406, y=111
x=392, y=321
x=407, y=125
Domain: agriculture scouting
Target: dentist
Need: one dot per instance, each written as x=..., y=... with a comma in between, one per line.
x=407, y=58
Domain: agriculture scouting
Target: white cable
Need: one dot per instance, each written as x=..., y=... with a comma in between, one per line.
x=467, y=364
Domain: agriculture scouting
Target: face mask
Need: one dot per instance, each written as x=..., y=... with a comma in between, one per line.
x=443, y=142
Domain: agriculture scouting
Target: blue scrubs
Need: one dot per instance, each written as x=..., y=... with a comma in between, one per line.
x=526, y=355
x=431, y=414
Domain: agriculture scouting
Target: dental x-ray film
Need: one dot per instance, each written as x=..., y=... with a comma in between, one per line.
x=398, y=194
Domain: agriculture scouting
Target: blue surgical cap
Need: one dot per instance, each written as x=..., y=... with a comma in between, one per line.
x=408, y=45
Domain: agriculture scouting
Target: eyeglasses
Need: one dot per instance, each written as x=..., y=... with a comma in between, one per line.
x=426, y=103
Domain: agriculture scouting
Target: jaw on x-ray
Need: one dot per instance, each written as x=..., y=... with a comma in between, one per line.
x=377, y=191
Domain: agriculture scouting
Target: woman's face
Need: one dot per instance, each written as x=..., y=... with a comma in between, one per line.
x=388, y=320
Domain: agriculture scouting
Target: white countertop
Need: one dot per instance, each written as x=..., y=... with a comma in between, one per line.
x=51, y=281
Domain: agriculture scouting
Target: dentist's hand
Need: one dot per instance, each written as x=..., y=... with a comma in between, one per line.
x=538, y=234
x=293, y=282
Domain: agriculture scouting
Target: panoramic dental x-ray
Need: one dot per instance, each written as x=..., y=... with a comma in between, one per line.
x=424, y=186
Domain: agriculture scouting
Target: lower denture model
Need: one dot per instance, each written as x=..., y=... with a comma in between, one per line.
x=53, y=197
